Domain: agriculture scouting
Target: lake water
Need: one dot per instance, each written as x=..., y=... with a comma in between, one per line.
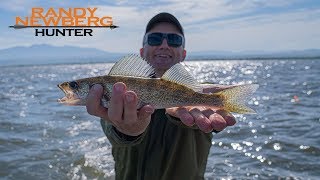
x=41, y=139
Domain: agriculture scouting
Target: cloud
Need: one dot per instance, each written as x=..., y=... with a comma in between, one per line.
x=209, y=25
x=282, y=31
x=16, y=5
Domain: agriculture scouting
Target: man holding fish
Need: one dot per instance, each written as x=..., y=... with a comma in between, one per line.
x=152, y=143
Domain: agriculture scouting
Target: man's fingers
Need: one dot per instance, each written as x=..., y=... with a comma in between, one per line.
x=201, y=120
x=185, y=117
x=227, y=116
x=218, y=118
x=130, y=106
x=93, y=104
x=116, y=102
x=183, y=114
x=218, y=123
x=145, y=113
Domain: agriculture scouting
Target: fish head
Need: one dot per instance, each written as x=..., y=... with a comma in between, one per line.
x=75, y=93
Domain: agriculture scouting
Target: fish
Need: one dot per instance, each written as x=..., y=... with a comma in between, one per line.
x=176, y=88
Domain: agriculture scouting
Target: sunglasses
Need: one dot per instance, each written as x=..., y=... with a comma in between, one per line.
x=173, y=40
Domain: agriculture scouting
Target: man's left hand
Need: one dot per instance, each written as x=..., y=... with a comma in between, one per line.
x=207, y=118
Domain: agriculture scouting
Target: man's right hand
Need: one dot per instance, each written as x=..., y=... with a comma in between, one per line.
x=122, y=113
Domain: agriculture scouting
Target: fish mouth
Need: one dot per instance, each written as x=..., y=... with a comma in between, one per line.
x=70, y=98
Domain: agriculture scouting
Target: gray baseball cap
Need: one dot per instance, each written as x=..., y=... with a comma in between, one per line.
x=164, y=17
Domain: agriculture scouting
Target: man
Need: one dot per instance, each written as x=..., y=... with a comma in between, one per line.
x=170, y=143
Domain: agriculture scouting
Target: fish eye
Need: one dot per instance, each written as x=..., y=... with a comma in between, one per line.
x=73, y=85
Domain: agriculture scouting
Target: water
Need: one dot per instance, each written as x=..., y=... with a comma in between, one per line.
x=41, y=139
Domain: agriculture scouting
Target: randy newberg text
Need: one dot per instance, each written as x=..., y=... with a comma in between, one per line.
x=64, y=21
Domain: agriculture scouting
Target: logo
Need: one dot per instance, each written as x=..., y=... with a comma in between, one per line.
x=63, y=21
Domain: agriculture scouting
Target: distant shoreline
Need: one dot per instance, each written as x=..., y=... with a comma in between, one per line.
x=251, y=58
x=73, y=62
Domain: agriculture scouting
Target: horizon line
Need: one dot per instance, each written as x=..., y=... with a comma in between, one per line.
x=22, y=26
x=189, y=52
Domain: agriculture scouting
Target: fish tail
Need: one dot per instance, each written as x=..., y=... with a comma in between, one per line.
x=234, y=98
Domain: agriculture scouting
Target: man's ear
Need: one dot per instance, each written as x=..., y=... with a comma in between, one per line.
x=141, y=52
x=184, y=54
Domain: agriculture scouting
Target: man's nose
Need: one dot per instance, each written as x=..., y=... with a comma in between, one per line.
x=164, y=43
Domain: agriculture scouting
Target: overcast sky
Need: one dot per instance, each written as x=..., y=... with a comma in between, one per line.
x=224, y=25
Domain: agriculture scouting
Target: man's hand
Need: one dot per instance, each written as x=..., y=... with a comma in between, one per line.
x=122, y=113
x=205, y=117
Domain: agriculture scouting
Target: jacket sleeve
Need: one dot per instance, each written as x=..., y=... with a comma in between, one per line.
x=117, y=138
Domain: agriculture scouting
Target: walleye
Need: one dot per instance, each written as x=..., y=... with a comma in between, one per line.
x=177, y=87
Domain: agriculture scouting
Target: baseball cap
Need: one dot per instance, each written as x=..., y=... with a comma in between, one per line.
x=164, y=17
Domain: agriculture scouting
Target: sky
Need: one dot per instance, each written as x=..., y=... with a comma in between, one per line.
x=209, y=25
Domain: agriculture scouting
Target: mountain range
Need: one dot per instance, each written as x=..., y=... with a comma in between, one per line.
x=48, y=54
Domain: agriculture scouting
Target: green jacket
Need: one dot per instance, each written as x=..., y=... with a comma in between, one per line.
x=166, y=150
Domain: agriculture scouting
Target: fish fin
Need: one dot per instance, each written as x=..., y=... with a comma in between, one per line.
x=180, y=74
x=132, y=65
x=234, y=98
